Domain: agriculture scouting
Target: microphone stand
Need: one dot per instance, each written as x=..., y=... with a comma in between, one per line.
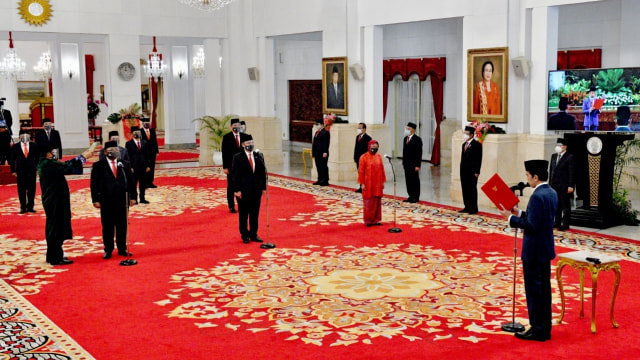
x=267, y=244
x=514, y=326
x=129, y=261
x=395, y=228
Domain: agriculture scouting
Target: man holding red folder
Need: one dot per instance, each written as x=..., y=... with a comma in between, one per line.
x=538, y=248
x=591, y=108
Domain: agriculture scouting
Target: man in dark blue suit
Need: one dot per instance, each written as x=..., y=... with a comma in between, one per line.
x=561, y=120
x=249, y=181
x=538, y=248
x=138, y=151
x=411, y=162
x=24, y=165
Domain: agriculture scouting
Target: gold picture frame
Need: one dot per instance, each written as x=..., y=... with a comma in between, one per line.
x=28, y=91
x=487, y=100
x=335, y=97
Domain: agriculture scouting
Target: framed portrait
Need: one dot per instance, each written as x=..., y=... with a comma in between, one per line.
x=145, y=99
x=487, y=84
x=102, y=94
x=335, y=86
x=30, y=90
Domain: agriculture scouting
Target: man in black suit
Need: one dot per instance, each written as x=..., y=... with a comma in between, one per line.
x=111, y=181
x=149, y=135
x=411, y=162
x=249, y=184
x=24, y=165
x=561, y=175
x=231, y=145
x=361, y=147
x=562, y=120
x=138, y=150
x=335, y=91
x=470, y=163
x=538, y=248
x=115, y=137
x=48, y=138
x=6, y=121
x=320, y=153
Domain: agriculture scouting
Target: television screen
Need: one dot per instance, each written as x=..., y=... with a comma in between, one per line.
x=592, y=98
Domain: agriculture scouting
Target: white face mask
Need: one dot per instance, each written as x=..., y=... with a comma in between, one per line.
x=407, y=132
x=359, y=131
x=558, y=149
x=466, y=137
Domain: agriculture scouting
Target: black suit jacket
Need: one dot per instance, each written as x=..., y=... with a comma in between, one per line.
x=561, y=175
x=109, y=190
x=152, y=140
x=139, y=158
x=8, y=119
x=321, y=141
x=412, y=152
x=471, y=159
x=250, y=183
x=51, y=142
x=561, y=121
x=537, y=221
x=361, y=147
x=230, y=148
x=21, y=165
x=335, y=100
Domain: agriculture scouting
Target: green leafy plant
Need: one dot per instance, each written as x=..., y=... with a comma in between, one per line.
x=217, y=128
x=611, y=80
x=114, y=118
x=626, y=154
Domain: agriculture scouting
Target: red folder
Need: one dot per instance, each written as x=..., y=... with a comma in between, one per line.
x=598, y=104
x=499, y=193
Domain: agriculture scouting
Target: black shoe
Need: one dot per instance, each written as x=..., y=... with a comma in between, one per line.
x=378, y=224
x=563, y=228
x=31, y=211
x=463, y=211
x=407, y=200
x=151, y=186
x=144, y=202
x=245, y=239
x=63, y=262
x=316, y=183
x=232, y=210
x=124, y=254
x=22, y=211
x=472, y=212
x=413, y=201
x=324, y=184
x=359, y=190
x=530, y=335
x=370, y=224
x=257, y=239
x=107, y=255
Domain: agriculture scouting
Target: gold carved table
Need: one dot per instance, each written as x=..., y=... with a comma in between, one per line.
x=304, y=159
x=578, y=260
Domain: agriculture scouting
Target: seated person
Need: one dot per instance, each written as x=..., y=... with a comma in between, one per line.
x=562, y=120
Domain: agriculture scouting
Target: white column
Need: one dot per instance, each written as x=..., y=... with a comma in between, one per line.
x=372, y=64
x=213, y=80
x=544, y=49
x=266, y=78
x=178, y=92
x=629, y=41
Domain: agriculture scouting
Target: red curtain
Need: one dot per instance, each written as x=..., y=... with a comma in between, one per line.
x=579, y=59
x=434, y=67
x=89, y=68
x=154, y=100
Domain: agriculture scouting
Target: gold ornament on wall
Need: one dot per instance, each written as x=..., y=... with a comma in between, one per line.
x=35, y=12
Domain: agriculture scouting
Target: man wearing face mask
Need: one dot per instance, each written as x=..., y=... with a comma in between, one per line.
x=371, y=178
x=470, y=163
x=24, y=161
x=111, y=182
x=249, y=184
x=243, y=127
x=149, y=135
x=138, y=150
x=48, y=138
x=320, y=153
x=114, y=136
x=561, y=179
x=231, y=145
x=361, y=147
x=56, y=201
x=411, y=162
x=6, y=121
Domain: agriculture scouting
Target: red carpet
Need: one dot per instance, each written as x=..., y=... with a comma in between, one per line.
x=332, y=289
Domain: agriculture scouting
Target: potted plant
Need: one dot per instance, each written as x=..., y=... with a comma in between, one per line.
x=216, y=129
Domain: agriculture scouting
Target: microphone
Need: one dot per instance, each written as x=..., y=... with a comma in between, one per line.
x=120, y=164
x=387, y=156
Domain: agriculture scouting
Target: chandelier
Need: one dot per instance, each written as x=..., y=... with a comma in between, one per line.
x=207, y=5
x=11, y=66
x=198, y=64
x=43, y=68
x=155, y=66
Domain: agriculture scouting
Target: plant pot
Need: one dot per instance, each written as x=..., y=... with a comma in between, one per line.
x=217, y=157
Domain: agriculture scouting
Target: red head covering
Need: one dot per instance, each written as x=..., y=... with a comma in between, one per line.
x=371, y=142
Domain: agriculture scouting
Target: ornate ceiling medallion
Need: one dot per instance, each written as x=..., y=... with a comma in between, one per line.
x=35, y=12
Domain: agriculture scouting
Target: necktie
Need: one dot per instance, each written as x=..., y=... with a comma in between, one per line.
x=114, y=169
x=335, y=87
x=237, y=140
x=26, y=151
x=359, y=137
x=466, y=147
x=48, y=137
x=408, y=138
x=138, y=143
x=558, y=161
x=251, y=162
x=148, y=135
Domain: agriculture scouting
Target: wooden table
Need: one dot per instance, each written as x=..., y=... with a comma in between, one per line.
x=304, y=159
x=578, y=261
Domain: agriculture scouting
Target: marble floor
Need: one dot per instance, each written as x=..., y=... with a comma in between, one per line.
x=435, y=183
